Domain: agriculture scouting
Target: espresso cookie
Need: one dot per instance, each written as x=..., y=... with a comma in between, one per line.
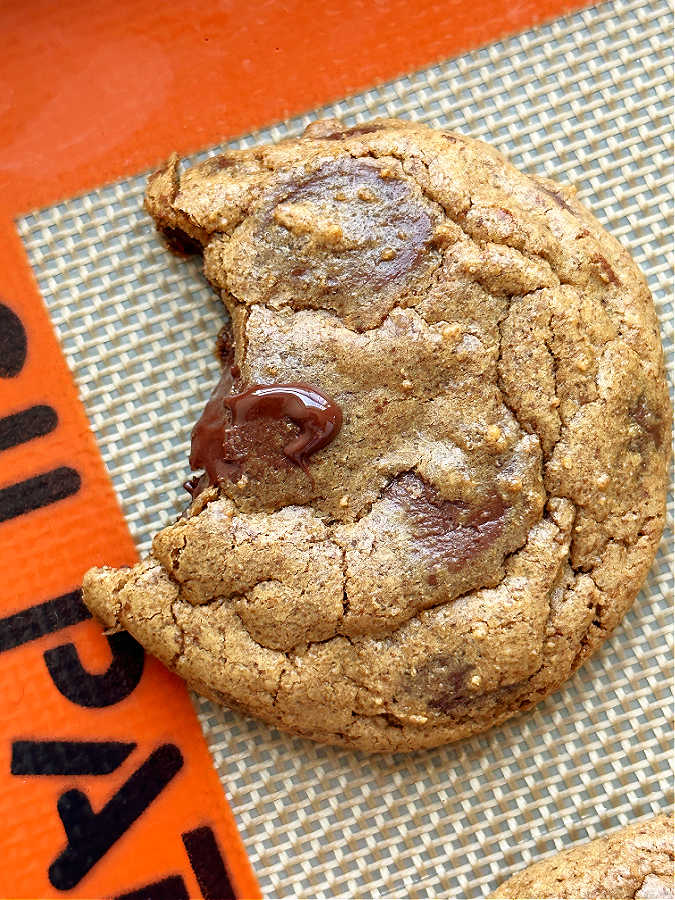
x=634, y=862
x=435, y=466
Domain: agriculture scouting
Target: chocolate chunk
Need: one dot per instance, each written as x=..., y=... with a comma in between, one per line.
x=452, y=531
x=649, y=422
x=180, y=243
x=195, y=485
x=234, y=426
x=318, y=417
x=443, y=682
x=352, y=236
x=376, y=236
x=208, y=439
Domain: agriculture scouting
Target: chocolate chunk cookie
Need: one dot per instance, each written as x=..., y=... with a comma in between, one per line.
x=435, y=465
x=634, y=862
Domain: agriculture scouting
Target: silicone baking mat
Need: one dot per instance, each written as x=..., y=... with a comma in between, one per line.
x=586, y=99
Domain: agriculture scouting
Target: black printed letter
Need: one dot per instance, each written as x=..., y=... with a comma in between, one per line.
x=90, y=835
x=85, y=689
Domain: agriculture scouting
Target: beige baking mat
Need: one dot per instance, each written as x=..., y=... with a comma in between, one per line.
x=586, y=99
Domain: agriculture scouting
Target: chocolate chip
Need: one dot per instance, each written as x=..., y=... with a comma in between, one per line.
x=443, y=682
x=354, y=234
x=318, y=417
x=208, y=440
x=180, y=243
x=451, y=530
x=236, y=427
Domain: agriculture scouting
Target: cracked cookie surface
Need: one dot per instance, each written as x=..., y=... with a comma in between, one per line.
x=496, y=493
x=635, y=862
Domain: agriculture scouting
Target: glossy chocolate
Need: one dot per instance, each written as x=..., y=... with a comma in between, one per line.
x=208, y=439
x=318, y=417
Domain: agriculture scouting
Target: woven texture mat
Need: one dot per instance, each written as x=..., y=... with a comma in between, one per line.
x=587, y=100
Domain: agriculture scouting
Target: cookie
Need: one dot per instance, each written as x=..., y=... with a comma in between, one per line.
x=634, y=862
x=435, y=465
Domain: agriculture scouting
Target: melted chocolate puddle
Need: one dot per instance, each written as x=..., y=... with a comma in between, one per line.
x=208, y=437
x=317, y=416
